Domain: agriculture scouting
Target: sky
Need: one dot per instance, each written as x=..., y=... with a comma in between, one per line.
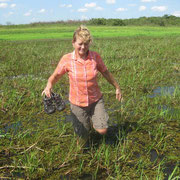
x=29, y=11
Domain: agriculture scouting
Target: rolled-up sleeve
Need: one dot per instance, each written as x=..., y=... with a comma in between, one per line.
x=62, y=69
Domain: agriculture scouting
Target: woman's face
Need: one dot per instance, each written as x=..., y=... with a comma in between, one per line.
x=81, y=47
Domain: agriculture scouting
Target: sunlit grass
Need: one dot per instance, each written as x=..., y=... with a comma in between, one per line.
x=66, y=32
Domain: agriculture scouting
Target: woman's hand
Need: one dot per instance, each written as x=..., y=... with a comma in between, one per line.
x=47, y=91
x=118, y=94
x=51, y=81
x=109, y=77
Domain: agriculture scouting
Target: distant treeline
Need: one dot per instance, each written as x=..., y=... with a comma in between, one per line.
x=166, y=20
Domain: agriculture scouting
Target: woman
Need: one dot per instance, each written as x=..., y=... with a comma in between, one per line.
x=82, y=66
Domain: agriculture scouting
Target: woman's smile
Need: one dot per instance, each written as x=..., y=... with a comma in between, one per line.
x=81, y=48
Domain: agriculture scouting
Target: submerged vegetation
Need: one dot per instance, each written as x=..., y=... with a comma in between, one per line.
x=143, y=137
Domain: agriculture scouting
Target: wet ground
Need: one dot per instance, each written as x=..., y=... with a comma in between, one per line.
x=118, y=133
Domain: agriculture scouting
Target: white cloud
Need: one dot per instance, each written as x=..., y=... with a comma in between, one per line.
x=62, y=5
x=90, y=5
x=82, y=10
x=13, y=5
x=111, y=1
x=132, y=5
x=121, y=9
x=42, y=11
x=159, y=8
x=69, y=5
x=142, y=8
x=3, y=5
x=98, y=8
x=28, y=13
x=176, y=13
x=10, y=13
x=4, y=0
x=65, y=5
x=148, y=0
x=84, y=17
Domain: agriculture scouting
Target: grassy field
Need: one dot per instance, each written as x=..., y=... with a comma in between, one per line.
x=143, y=137
x=64, y=32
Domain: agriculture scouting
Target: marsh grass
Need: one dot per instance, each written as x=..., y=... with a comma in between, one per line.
x=143, y=138
x=16, y=33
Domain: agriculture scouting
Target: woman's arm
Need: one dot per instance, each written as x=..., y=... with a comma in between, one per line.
x=109, y=77
x=51, y=81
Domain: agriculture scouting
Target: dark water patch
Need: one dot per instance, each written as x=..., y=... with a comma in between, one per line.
x=65, y=177
x=168, y=109
x=136, y=155
x=68, y=119
x=165, y=108
x=131, y=165
x=14, y=128
x=153, y=155
x=162, y=91
x=86, y=177
x=18, y=175
x=118, y=132
x=168, y=170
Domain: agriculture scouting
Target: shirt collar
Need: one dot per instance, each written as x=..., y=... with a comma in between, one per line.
x=89, y=56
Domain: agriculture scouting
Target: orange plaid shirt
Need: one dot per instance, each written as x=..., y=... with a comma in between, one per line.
x=84, y=89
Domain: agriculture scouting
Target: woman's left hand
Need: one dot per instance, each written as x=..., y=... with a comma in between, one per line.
x=118, y=94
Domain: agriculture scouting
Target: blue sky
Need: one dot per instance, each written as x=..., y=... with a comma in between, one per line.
x=24, y=11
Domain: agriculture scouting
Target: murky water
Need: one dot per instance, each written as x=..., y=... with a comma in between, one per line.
x=169, y=167
x=162, y=91
x=14, y=128
x=116, y=133
x=153, y=155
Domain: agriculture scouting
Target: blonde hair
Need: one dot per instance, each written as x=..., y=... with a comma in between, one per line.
x=83, y=33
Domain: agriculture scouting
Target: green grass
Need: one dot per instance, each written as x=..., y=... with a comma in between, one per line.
x=35, y=145
x=64, y=32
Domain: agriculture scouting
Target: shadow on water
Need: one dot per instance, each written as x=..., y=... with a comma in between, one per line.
x=116, y=133
x=81, y=177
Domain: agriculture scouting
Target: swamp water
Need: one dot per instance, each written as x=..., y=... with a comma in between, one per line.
x=117, y=133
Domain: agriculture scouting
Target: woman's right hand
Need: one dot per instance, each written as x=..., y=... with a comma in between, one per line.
x=47, y=91
x=51, y=81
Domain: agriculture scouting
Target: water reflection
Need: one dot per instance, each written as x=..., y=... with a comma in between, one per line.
x=162, y=91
